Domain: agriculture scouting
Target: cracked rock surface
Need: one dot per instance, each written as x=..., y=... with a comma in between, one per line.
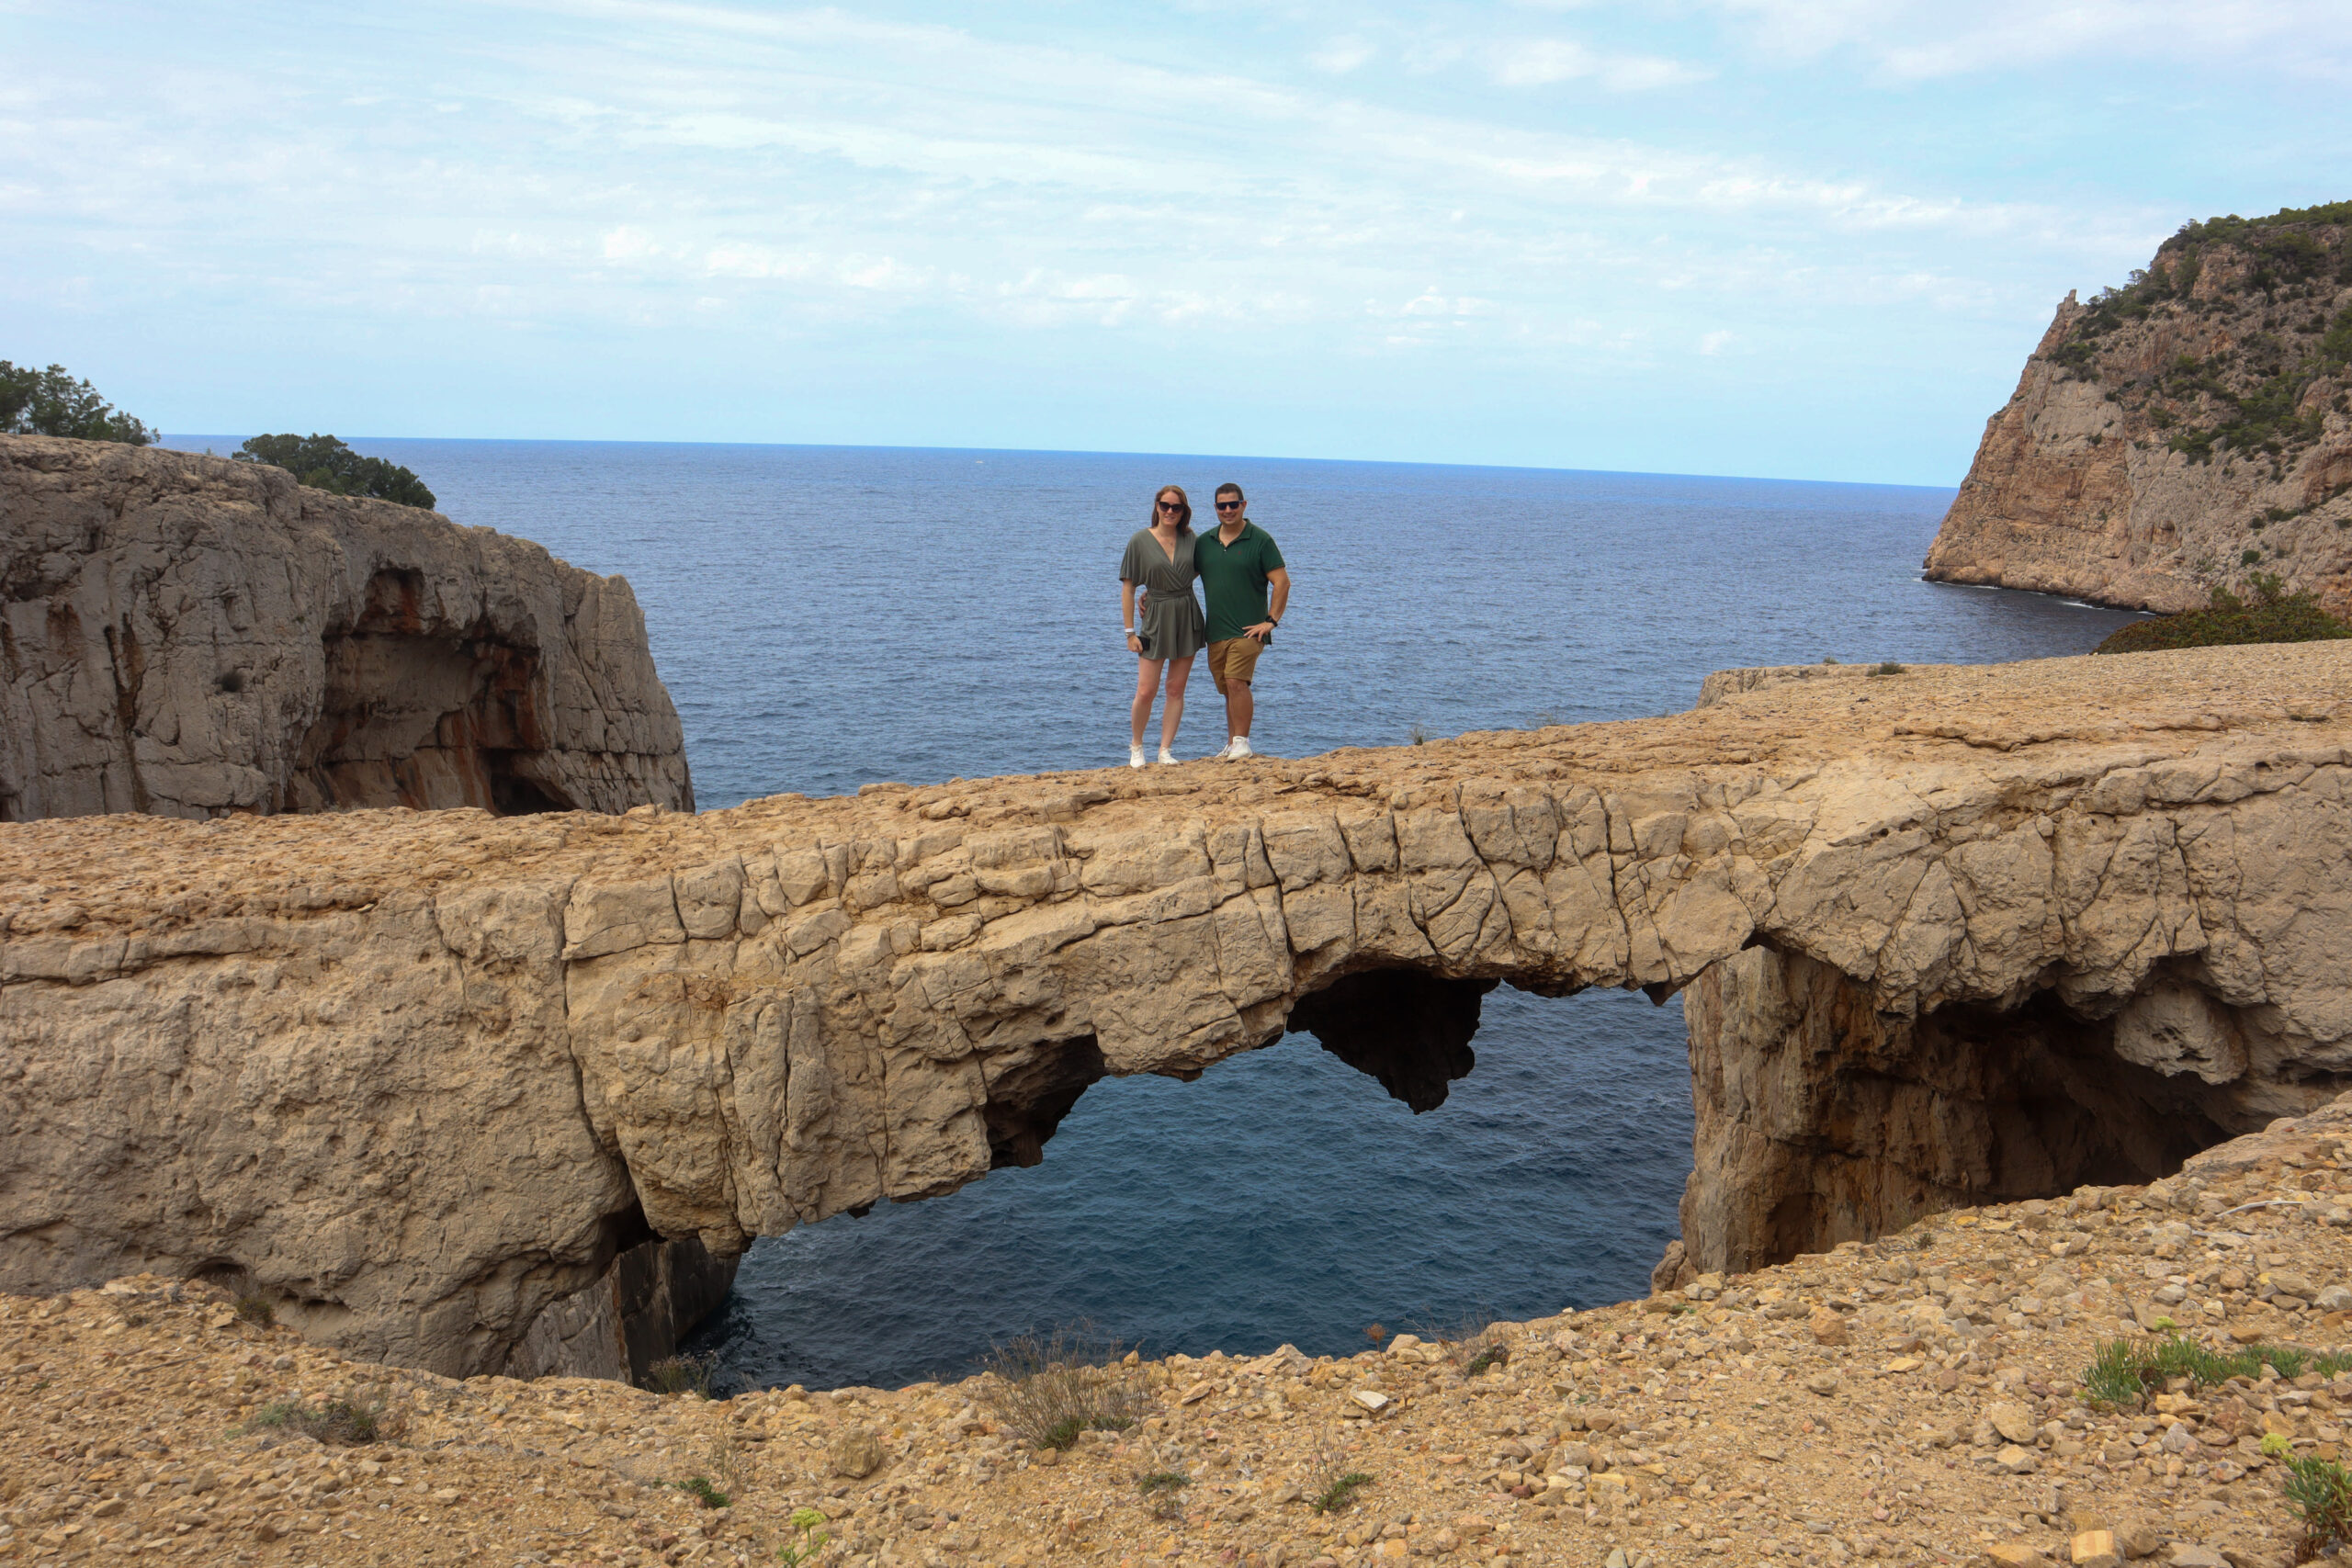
x=190, y=637
x=420, y=1076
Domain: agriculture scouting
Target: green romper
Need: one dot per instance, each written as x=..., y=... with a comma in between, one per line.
x=1169, y=621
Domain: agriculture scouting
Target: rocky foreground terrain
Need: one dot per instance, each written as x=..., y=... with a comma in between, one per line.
x=1911, y=1401
x=2188, y=430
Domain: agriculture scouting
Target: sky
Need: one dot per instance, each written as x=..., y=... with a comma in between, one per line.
x=1809, y=239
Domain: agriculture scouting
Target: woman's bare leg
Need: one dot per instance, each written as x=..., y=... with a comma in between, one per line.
x=1147, y=688
x=1171, y=712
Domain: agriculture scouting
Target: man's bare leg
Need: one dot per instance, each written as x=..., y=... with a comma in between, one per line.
x=1239, y=708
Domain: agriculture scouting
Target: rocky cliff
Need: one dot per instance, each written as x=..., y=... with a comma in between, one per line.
x=2185, y=432
x=1956, y=935
x=189, y=636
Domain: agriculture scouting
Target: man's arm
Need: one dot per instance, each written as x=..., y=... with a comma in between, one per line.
x=1279, y=580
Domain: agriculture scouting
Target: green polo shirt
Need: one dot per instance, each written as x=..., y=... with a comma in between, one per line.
x=1234, y=578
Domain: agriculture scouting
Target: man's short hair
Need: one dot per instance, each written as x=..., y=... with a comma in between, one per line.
x=1230, y=489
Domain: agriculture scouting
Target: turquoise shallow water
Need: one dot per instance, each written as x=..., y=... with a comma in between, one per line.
x=827, y=617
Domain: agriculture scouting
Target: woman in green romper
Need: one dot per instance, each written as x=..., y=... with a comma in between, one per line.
x=1160, y=562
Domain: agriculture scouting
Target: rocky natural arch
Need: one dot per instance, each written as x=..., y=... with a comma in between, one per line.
x=1948, y=935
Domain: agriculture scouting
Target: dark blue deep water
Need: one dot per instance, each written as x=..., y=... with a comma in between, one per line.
x=827, y=617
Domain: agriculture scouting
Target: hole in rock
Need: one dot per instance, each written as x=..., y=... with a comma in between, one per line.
x=1282, y=1198
x=423, y=713
x=1821, y=1120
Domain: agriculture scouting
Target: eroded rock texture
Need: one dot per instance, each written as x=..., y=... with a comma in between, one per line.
x=1958, y=933
x=2187, y=432
x=188, y=636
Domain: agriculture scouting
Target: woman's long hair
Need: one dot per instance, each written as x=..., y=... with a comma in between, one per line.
x=1183, y=509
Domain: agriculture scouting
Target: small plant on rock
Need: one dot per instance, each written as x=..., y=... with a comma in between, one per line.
x=1332, y=1484
x=681, y=1374
x=808, y=1523
x=2321, y=1492
x=2124, y=1370
x=337, y=1422
x=256, y=1310
x=1051, y=1388
x=1886, y=667
x=1163, y=1490
x=1339, y=1490
x=701, y=1490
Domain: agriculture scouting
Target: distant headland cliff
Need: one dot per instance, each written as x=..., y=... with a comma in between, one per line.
x=185, y=635
x=2187, y=431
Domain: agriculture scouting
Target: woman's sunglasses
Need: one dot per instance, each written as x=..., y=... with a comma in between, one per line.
x=1171, y=506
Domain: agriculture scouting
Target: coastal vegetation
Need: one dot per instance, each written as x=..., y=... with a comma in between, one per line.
x=1052, y=1387
x=681, y=1374
x=324, y=462
x=2320, y=1490
x=2252, y=392
x=2125, y=1370
x=51, y=403
x=2269, y=615
x=334, y=1422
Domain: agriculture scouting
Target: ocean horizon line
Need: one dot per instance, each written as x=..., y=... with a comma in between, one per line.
x=169, y=441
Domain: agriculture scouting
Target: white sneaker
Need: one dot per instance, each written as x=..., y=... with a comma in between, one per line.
x=1238, y=748
x=1220, y=756
x=1167, y=758
x=1134, y=755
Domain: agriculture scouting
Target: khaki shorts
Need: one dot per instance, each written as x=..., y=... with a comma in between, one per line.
x=1235, y=659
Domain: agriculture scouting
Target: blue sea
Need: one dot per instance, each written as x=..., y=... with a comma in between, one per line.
x=829, y=616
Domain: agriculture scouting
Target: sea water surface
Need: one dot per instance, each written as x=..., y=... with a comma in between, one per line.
x=829, y=616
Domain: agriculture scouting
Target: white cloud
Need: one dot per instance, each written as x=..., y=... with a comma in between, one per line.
x=1716, y=341
x=1918, y=39
x=1536, y=62
x=1342, y=55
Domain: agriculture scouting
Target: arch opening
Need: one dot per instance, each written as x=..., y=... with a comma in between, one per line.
x=1820, y=1121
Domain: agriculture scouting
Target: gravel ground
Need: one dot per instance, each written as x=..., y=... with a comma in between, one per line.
x=1910, y=1400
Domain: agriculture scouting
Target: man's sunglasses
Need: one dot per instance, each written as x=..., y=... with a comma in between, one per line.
x=1229, y=506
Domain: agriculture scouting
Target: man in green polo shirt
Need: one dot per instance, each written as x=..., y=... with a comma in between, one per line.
x=1238, y=563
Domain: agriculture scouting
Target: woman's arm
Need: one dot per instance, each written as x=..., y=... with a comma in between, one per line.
x=1128, y=610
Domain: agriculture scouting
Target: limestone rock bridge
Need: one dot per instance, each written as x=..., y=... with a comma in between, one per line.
x=480, y=1093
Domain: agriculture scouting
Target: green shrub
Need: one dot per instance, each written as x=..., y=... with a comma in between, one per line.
x=337, y=1422
x=1339, y=1490
x=2124, y=1370
x=50, y=402
x=256, y=1309
x=1051, y=1388
x=700, y=1489
x=2337, y=347
x=2321, y=1493
x=322, y=462
x=2272, y=614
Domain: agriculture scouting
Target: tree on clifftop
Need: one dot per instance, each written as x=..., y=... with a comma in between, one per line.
x=50, y=402
x=322, y=462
